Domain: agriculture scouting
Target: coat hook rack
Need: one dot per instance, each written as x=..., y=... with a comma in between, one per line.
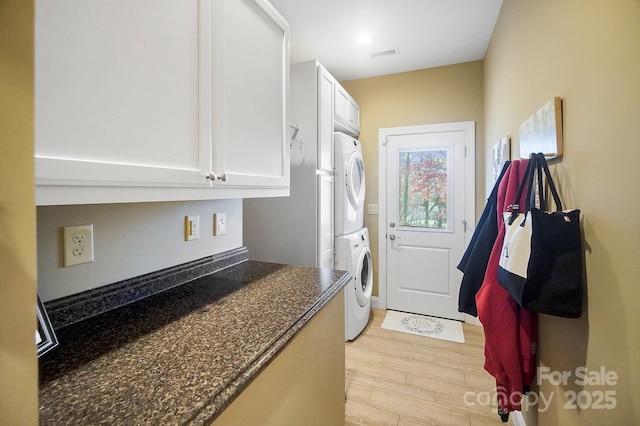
x=300, y=142
x=295, y=128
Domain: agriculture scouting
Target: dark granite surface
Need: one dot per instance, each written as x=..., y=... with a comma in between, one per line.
x=80, y=306
x=183, y=355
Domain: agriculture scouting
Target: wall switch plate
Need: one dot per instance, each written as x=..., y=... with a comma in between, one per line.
x=219, y=223
x=77, y=245
x=372, y=209
x=191, y=228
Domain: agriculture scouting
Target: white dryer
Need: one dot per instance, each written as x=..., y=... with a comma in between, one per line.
x=353, y=254
x=349, y=190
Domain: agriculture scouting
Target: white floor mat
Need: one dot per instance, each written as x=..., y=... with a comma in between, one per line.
x=424, y=326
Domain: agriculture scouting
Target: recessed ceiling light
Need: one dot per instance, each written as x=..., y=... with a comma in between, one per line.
x=364, y=38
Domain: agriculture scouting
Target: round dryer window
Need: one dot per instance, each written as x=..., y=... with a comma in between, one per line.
x=364, y=277
x=355, y=180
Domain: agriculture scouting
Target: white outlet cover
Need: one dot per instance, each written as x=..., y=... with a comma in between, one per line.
x=191, y=228
x=77, y=245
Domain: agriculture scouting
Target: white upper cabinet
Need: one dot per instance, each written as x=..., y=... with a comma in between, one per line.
x=347, y=112
x=250, y=83
x=143, y=101
x=325, y=120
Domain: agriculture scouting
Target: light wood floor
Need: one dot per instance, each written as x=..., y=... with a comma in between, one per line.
x=395, y=378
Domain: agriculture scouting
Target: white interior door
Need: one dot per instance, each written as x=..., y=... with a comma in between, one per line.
x=429, y=196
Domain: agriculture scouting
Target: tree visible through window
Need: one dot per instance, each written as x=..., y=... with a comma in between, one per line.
x=423, y=188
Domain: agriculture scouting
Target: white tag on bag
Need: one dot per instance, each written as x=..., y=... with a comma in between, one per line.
x=516, y=248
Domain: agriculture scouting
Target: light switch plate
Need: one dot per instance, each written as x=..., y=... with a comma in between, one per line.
x=372, y=209
x=77, y=245
x=219, y=224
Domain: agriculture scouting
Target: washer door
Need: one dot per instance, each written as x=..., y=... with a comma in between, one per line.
x=363, y=280
x=354, y=180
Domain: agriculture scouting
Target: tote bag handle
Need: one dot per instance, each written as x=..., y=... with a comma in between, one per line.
x=528, y=176
x=542, y=166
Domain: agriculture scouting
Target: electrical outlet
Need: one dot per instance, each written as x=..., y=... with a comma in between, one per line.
x=219, y=224
x=191, y=228
x=77, y=245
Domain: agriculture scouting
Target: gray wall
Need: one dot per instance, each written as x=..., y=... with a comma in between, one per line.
x=129, y=240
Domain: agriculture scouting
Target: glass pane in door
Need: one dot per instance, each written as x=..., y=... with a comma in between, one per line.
x=424, y=188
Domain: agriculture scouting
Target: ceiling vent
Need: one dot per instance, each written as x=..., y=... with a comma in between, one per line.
x=388, y=52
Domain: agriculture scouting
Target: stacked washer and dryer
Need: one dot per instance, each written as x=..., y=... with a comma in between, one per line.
x=321, y=223
x=352, y=248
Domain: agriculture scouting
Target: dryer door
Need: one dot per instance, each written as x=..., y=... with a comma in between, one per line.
x=363, y=279
x=355, y=180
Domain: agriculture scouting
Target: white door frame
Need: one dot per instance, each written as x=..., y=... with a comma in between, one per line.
x=469, y=129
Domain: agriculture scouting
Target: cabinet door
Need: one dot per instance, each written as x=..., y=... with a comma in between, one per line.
x=354, y=115
x=122, y=93
x=347, y=112
x=325, y=120
x=341, y=104
x=325, y=222
x=250, y=86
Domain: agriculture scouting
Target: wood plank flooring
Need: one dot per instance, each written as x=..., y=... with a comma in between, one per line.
x=395, y=378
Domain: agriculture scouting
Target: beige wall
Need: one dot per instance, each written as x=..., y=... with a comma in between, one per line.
x=437, y=95
x=18, y=367
x=587, y=52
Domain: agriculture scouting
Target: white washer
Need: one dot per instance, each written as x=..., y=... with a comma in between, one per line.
x=353, y=255
x=349, y=193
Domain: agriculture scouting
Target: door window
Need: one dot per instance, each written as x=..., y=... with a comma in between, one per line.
x=423, y=188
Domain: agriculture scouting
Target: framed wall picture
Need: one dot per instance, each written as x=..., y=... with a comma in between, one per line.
x=45, y=336
x=542, y=132
x=501, y=153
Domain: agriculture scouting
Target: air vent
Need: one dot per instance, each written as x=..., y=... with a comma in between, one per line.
x=388, y=52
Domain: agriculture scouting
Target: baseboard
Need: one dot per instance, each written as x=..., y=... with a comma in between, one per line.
x=471, y=320
x=517, y=418
x=376, y=303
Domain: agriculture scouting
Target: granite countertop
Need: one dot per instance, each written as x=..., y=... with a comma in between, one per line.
x=183, y=355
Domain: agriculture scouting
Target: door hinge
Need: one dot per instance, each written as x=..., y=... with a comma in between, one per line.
x=465, y=151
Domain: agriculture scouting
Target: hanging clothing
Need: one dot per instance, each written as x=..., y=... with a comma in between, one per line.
x=511, y=332
x=476, y=257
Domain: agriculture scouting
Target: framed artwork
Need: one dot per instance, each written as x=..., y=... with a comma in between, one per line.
x=45, y=337
x=542, y=132
x=501, y=153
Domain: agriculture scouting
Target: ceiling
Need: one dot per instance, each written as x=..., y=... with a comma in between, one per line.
x=427, y=33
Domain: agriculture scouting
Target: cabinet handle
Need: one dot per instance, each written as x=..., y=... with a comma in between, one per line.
x=212, y=176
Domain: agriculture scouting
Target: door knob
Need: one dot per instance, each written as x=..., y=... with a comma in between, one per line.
x=392, y=237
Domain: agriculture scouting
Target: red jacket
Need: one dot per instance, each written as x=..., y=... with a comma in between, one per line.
x=511, y=332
